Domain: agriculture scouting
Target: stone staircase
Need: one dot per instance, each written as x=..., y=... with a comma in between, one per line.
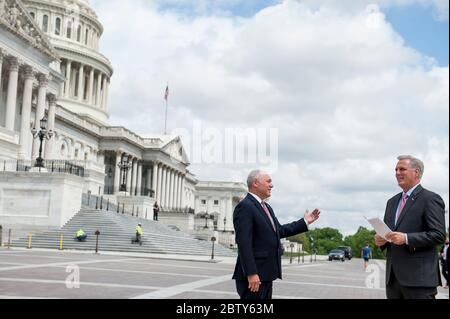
x=116, y=232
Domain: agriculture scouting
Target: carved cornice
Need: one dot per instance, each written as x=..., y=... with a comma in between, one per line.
x=16, y=19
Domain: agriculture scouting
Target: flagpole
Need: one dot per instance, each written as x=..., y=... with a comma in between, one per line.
x=165, y=126
x=166, y=97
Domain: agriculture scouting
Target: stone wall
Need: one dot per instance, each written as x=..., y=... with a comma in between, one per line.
x=36, y=200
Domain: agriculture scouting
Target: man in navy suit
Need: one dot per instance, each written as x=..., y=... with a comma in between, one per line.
x=258, y=234
x=417, y=218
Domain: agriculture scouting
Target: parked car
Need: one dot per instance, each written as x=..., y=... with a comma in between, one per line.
x=336, y=254
x=347, y=250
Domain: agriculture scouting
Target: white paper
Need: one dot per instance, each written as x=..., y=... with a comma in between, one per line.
x=380, y=227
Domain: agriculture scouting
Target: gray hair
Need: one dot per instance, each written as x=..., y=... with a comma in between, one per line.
x=414, y=162
x=254, y=176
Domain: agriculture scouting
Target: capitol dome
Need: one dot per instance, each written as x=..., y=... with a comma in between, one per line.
x=74, y=30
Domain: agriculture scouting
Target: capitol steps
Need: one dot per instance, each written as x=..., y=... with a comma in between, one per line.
x=116, y=232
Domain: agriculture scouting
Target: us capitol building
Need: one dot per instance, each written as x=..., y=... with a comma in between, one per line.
x=51, y=67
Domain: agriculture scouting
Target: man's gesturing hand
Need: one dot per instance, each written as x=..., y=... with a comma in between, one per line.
x=253, y=283
x=312, y=217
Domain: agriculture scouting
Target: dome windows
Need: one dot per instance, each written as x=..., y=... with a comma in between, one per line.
x=79, y=33
x=58, y=26
x=45, y=23
x=69, y=30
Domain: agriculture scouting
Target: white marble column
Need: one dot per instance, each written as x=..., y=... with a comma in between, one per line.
x=139, y=179
x=68, y=77
x=129, y=175
x=169, y=188
x=11, y=98
x=99, y=86
x=117, y=172
x=164, y=188
x=155, y=180
x=134, y=178
x=105, y=107
x=149, y=180
x=49, y=149
x=25, y=133
x=158, y=187
x=176, y=190
x=103, y=100
x=40, y=112
x=1, y=65
x=80, y=92
x=163, y=185
x=91, y=87
x=182, y=191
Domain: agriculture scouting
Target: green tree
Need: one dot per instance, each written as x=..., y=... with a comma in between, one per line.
x=301, y=239
x=321, y=240
x=359, y=240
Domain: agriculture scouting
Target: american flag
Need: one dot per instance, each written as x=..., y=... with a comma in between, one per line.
x=166, y=95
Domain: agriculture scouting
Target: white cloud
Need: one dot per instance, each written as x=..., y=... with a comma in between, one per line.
x=440, y=7
x=345, y=92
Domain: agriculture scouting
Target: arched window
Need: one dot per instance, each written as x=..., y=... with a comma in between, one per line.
x=58, y=26
x=63, y=151
x=79, y=33
x=45, y=23
x=69, y=30
x=32, y=15
x=86, y=37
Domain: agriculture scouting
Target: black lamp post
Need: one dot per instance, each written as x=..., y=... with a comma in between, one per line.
x=110, y=172
x=41, y=134
x=124, y=166
x=224, y=224
x=206, y=220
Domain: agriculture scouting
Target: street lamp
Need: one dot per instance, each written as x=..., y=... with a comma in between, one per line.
x=110, y=173
x=206, y=220
x=124, y=166
x=224, y=224
x=41, y=134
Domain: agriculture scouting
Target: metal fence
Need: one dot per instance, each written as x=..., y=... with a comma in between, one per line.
x=102, y=203
x=53, y=166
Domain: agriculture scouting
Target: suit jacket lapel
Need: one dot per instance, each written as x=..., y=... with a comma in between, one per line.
x=409, y=203
x=392, y=211
x=259, y=206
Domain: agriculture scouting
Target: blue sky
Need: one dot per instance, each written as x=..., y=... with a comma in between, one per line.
x=420, y=30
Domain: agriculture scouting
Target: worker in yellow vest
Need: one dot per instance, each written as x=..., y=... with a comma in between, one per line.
x=81, y=235
x=139, y=233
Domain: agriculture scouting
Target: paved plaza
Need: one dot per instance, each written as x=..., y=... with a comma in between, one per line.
x=53, y=274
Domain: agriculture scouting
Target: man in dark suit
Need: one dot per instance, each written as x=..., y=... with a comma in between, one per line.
x=258, y=234
x=417, y=218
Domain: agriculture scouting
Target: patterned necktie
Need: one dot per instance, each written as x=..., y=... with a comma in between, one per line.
x=266, y=210
x=400, y=208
